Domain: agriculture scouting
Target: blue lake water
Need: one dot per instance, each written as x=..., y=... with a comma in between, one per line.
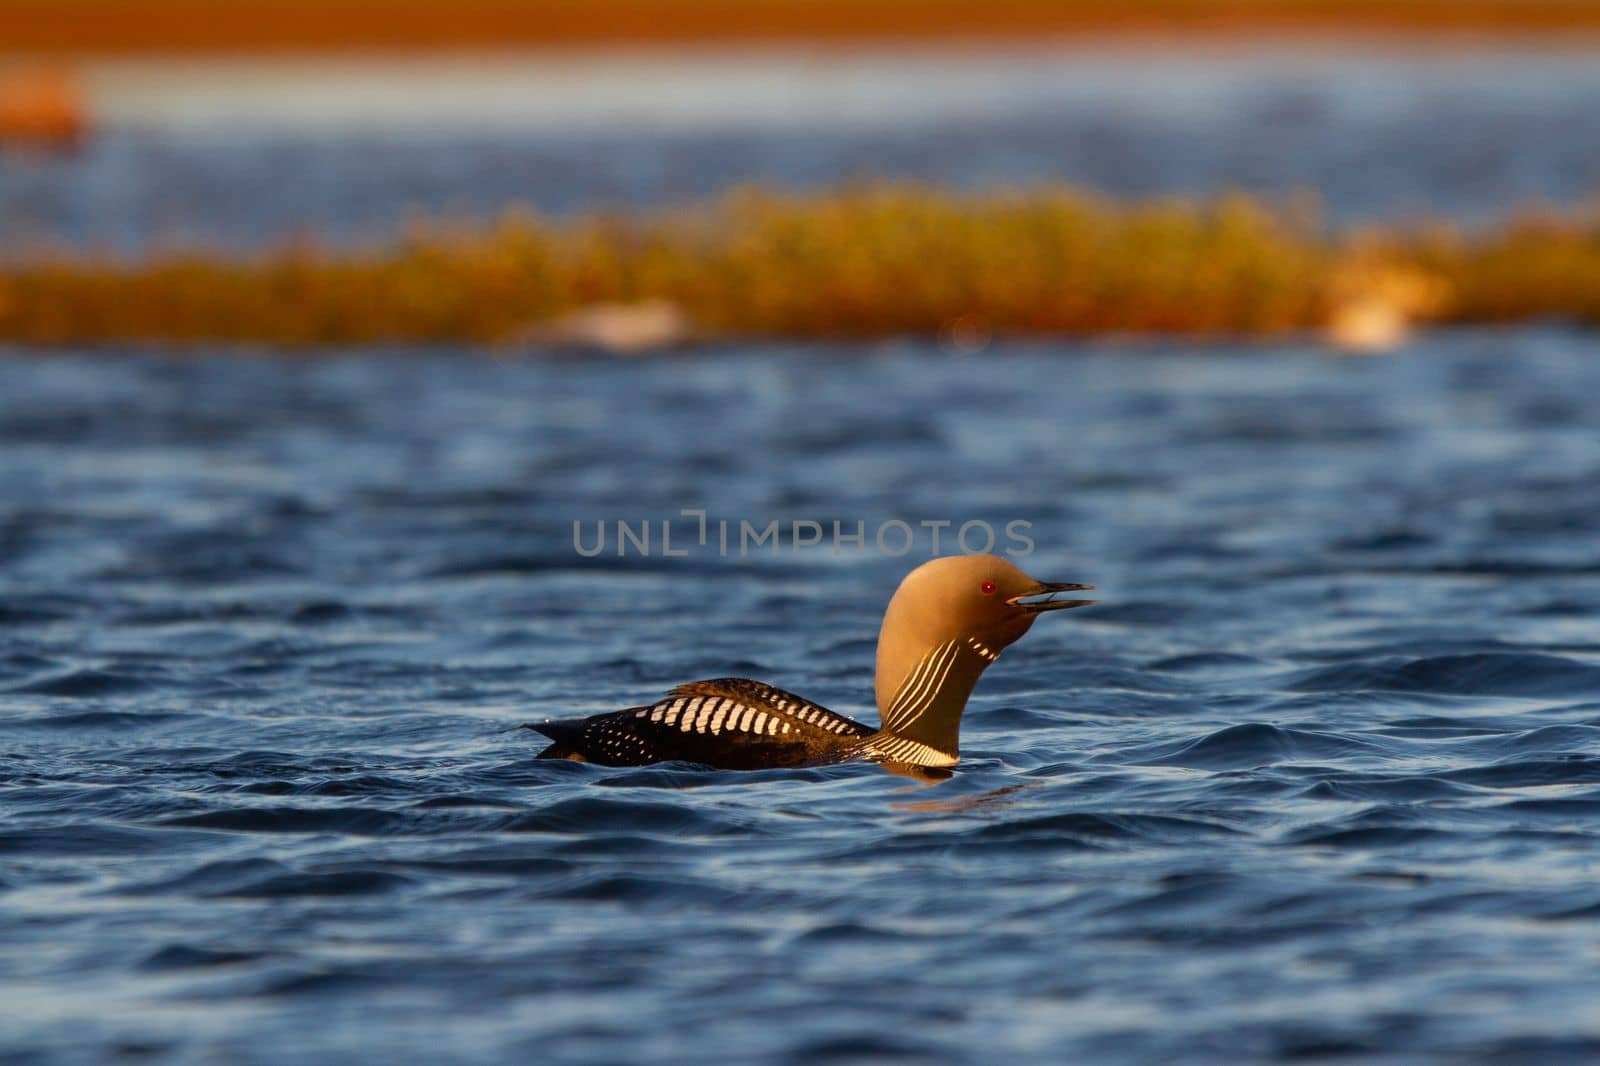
x=348, y=151
x=1319, y=777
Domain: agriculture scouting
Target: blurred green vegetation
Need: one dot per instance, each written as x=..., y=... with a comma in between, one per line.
x=858, y=262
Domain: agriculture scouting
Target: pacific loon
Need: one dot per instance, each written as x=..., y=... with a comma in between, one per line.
x=947, y=622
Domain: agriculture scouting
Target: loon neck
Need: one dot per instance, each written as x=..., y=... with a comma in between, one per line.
x=928, y=701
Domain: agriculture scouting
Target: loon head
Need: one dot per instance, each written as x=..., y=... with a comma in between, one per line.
x=947, y=622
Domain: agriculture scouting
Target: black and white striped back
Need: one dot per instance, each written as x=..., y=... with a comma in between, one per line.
x=731, y=722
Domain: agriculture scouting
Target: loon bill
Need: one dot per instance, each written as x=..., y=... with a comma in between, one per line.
x=947, y=622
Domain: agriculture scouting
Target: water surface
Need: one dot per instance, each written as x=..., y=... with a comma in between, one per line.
x=1319, y=777
x=239, y=154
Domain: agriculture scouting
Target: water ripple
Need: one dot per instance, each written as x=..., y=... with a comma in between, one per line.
x=1319, y=780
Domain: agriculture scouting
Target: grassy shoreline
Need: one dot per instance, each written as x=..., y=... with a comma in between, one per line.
x=871, y=261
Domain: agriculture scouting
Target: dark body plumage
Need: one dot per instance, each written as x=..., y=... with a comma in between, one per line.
x=729, y=722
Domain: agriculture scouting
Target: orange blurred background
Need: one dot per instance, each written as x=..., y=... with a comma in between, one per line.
x=165, y=26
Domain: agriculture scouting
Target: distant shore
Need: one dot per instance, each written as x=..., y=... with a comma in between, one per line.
x=165, y=27
x=860, y=262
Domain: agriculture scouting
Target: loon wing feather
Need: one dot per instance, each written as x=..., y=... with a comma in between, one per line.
x=801, y=713
x=730, y=722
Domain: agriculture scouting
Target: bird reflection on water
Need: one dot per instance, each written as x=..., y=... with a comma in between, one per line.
x=994, y=799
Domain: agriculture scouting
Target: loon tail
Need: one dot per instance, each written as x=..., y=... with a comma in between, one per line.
x=565, y=734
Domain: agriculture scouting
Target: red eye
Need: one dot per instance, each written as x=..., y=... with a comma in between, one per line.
x=988, y=588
